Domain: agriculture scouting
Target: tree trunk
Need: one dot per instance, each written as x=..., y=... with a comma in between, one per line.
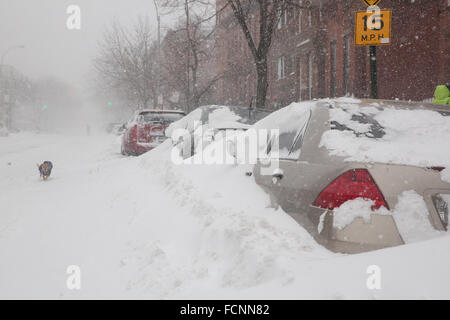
x=261, y=90
x=195, y=101
x=195, y=96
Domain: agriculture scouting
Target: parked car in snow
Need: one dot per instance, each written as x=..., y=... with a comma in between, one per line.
x=116, y=128
x=356, y=173
x=208, y=123
x=146, y=130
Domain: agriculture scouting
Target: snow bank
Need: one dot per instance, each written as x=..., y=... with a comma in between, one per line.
x=239, y=241
x=147, y=228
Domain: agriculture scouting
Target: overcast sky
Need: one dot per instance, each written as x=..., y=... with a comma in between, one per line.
x=52, y=49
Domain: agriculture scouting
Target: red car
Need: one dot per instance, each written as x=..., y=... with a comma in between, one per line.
x=147, y=130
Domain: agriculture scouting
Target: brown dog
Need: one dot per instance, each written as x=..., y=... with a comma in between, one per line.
x=45, y=169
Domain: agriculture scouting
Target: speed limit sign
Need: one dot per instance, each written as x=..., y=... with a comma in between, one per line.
x=373, y=28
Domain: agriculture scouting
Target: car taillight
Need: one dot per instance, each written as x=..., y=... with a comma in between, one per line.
x=356, y=183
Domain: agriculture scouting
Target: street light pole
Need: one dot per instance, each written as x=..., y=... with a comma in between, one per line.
x=3, y=87
x=158, y=61
x=8, y=50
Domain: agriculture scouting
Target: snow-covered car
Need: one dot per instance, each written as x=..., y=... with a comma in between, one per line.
x=361, y=175
x=209, y=123
x=147, y=130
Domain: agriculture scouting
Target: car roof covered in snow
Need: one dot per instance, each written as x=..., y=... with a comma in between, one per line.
x=219, y=117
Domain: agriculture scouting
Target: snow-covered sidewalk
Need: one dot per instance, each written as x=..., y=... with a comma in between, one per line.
x=147, y=228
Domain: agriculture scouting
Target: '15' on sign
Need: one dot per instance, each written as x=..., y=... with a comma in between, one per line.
x=373, y=28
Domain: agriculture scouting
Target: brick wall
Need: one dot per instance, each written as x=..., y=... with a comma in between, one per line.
x=321, y=59
x=444, y=42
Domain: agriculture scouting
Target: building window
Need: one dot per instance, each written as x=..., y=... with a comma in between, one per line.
x=244, y=92
x=333, y=69
x=288, y=67
x=320, y=10
x=309, y=17
x=290, y=14
x=291, y=64
x=300, y=82
x=275, y=69
x=346, y=65
x=300, y=13
x=249, y=88
x=282, y=19
x=281, y=67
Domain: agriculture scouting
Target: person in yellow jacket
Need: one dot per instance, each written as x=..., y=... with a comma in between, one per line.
x=442, y=94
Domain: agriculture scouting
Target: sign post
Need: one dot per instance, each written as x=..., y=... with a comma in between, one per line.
x=373, y=28
x=373, y=72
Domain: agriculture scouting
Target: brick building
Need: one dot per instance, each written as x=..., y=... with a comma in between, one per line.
x=313, y=53
x=444, y=41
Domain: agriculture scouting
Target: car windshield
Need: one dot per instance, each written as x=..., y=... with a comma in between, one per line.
x=360, y=123
x=367, y=121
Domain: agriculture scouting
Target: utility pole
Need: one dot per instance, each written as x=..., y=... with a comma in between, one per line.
x=158, y=61
x=188, y=61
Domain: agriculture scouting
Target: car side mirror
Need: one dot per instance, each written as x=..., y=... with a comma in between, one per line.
x=277, y=175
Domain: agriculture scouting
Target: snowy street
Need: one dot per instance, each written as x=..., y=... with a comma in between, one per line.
x=219, y=150
x=145, y=228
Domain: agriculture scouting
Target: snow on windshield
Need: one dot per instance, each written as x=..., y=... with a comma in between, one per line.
x=291, y=122
x=389, y=135
x=286, y=119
